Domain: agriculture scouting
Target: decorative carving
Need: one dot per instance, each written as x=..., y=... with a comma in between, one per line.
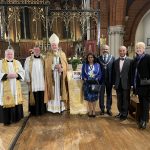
x=43, y=11
x=25, y=1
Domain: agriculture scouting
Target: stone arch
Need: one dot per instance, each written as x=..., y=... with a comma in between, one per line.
x=135, y=17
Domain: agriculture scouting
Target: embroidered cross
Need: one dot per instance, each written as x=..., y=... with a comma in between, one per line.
x=8, y=98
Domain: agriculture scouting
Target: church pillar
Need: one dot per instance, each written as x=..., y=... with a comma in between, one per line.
x=2, y=24
x=115, y=38
x=88, y=20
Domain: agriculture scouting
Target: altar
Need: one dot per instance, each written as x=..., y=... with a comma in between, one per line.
x=76, y=98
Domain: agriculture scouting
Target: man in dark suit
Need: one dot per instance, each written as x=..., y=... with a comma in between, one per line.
x=106, y=62
x=122, y=81
x=141, y=73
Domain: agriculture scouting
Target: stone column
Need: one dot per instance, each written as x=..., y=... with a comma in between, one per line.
x=115, y=38
x=2, y=24
x=87, y=6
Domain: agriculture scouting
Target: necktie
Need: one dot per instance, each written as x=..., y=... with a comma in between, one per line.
x=105, y=59
x=135, y=78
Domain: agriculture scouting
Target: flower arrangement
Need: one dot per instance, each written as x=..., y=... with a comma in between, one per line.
x=74, y=61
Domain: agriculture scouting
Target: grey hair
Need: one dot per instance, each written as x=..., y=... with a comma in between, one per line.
x=9, y=49
x=140, y=44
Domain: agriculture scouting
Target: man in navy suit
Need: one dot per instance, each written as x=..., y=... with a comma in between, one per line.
x=106, y=61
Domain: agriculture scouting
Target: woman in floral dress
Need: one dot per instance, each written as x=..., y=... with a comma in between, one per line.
x=91, y=74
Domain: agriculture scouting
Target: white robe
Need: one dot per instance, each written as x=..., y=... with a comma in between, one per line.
x=56, y=105
x=37, y=75
x=12, y=81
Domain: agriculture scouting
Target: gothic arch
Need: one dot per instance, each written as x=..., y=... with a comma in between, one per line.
x=135, y=17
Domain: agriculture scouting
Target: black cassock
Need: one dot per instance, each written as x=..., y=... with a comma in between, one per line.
x=10, y=115
x=39, y=108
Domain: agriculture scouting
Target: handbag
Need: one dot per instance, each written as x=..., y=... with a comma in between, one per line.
x=95, y=88
x=145, y=82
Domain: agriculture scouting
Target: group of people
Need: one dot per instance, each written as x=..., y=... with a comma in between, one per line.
x=122, y=74
x=46, y=78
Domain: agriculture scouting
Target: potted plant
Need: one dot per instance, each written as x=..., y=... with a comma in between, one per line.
x=74, y=62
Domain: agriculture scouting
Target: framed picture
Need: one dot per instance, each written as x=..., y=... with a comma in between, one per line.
x=76, y=75
x=148, y=41
x=90, y=46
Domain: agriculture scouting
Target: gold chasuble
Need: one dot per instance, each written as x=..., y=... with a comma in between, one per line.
x=8, y=98
x=49, y=81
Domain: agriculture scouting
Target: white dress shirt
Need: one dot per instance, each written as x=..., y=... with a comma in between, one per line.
x=121, y=62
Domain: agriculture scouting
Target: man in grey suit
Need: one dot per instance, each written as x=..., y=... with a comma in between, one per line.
x=122, y=81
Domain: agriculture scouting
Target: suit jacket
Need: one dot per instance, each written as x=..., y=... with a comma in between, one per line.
x=143, y=73
x=109, y=68
x=125, y=75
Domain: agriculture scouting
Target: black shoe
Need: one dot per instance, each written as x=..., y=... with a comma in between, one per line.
x=93, y=116
x=90, y=115
x=7, y=124
x=123, y=117
x=139, y=125
x=109, y=112
x=102, y=112
x=142, y=125
x=118, y=116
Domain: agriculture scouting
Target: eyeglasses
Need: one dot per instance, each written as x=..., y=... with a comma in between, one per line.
x=90, y=57
x=105, y=49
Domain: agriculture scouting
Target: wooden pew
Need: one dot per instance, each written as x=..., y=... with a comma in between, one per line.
x=134, y=108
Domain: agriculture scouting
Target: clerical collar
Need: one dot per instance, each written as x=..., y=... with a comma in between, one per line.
x=36, y=56
x=9, y=60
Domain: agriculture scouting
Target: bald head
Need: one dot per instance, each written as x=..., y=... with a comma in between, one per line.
x=122, y=51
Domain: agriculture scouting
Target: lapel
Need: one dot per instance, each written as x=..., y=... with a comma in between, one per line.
x=101, y=59
x=118, y=65
x=124, y=64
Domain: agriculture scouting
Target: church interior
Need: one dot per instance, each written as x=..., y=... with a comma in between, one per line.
x=82, y=26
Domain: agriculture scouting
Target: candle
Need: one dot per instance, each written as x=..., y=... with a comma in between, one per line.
x=8, y=39
x=42, y=45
